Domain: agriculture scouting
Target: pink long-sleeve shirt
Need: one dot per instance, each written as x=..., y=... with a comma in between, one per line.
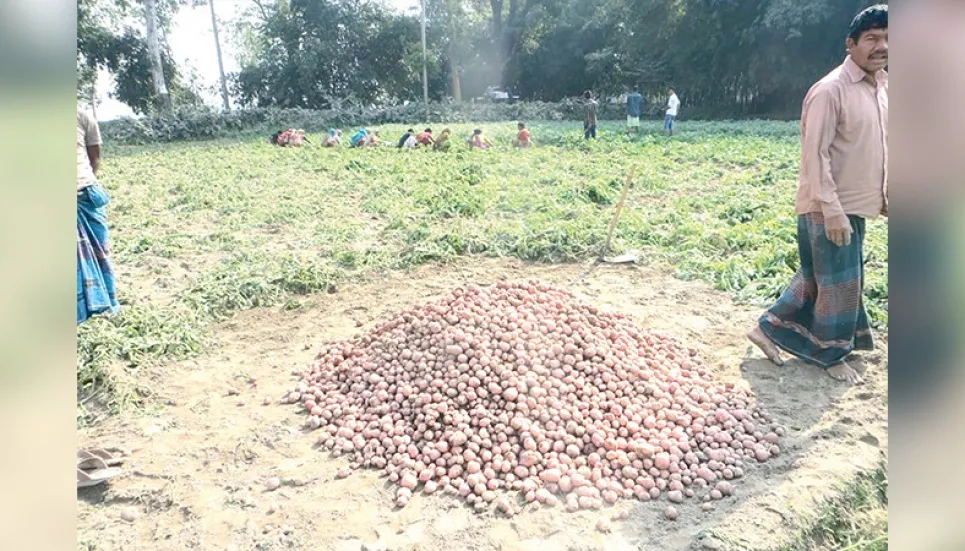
x=844, y=144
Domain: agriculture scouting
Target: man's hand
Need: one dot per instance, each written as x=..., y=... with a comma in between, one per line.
x=838, y=230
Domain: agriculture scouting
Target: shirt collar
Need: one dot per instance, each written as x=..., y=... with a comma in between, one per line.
x=856, y=74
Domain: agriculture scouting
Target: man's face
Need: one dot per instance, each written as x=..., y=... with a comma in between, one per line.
x=870, y=52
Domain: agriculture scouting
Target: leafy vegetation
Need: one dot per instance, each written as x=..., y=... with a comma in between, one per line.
x=856, y=520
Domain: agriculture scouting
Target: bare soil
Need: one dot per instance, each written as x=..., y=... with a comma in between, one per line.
x=196, y=475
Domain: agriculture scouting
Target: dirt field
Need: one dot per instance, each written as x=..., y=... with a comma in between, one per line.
x=198, y=463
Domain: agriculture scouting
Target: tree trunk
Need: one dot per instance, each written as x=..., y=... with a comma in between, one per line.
x=454, y=75
x=452, y=49
x=497, y=30
x=217, y=45
x=154, y=49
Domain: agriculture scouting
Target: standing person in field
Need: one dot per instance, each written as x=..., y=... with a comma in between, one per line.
x=95, y=271
x=673, y=107
x=523, y=138
x=821, y=317
x=634, y=107
x=590, y=110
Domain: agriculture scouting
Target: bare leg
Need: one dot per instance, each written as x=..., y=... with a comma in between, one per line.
x=767, y=347
x=844, y=372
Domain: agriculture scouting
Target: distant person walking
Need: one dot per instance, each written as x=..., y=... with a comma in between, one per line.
x=590, y=111
x=95, y=271
x=673, y=107
x=821, y=317
x=634, y=107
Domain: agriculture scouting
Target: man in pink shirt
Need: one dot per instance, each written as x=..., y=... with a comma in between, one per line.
x=821, y=317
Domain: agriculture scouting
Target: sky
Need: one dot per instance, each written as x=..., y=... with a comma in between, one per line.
x=192, y=45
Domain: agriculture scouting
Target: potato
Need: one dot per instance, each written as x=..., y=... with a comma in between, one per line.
x=523, y=387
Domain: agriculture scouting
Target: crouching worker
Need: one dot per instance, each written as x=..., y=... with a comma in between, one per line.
x=442, y=142
x=523, y=138
x=477, y=140
x=359, y=138
x=333, y=138
x=408, y=141
x=372, y=139
x=425, y=137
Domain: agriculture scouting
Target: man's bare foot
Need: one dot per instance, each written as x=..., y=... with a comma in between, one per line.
x=844, y=372
x=767, y=347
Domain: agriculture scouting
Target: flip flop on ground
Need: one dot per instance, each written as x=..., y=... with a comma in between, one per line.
x=111, y=456
x=92, y=471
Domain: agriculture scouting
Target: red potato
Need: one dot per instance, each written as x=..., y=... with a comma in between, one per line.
x=521, y=386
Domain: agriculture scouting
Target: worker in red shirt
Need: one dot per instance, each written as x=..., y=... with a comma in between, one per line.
x=523, y=137
x=425, y=137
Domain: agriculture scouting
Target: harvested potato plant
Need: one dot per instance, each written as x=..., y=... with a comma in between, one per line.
x=522, y=390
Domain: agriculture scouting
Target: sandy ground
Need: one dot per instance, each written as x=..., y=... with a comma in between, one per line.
x=195, y=477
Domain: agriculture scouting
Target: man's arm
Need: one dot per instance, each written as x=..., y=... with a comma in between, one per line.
x=93, y=142
x=821, y=122
x=94, y=154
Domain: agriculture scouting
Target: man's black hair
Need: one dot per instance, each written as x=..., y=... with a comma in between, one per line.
x=410, y=131
x=429, y=130
x=874, y=17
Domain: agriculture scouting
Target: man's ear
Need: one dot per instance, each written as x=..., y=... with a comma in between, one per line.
x=849, y=44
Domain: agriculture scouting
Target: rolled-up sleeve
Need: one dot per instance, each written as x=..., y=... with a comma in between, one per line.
x=820, y=122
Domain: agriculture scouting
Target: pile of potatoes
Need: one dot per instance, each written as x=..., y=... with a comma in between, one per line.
x=522, y=388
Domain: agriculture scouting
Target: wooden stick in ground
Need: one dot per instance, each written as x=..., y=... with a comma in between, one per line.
x=619, y=209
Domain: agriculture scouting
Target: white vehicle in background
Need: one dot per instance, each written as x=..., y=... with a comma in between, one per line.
x=494, y=93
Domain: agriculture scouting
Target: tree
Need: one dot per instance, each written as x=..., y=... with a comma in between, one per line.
x=457, y=26
x=106, y=39
x=508, y=25
x=154, y=51
x=217, y=45
x=726, y=58
x=323, y=53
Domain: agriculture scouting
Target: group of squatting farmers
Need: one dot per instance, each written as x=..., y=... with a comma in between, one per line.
x=410, y=140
